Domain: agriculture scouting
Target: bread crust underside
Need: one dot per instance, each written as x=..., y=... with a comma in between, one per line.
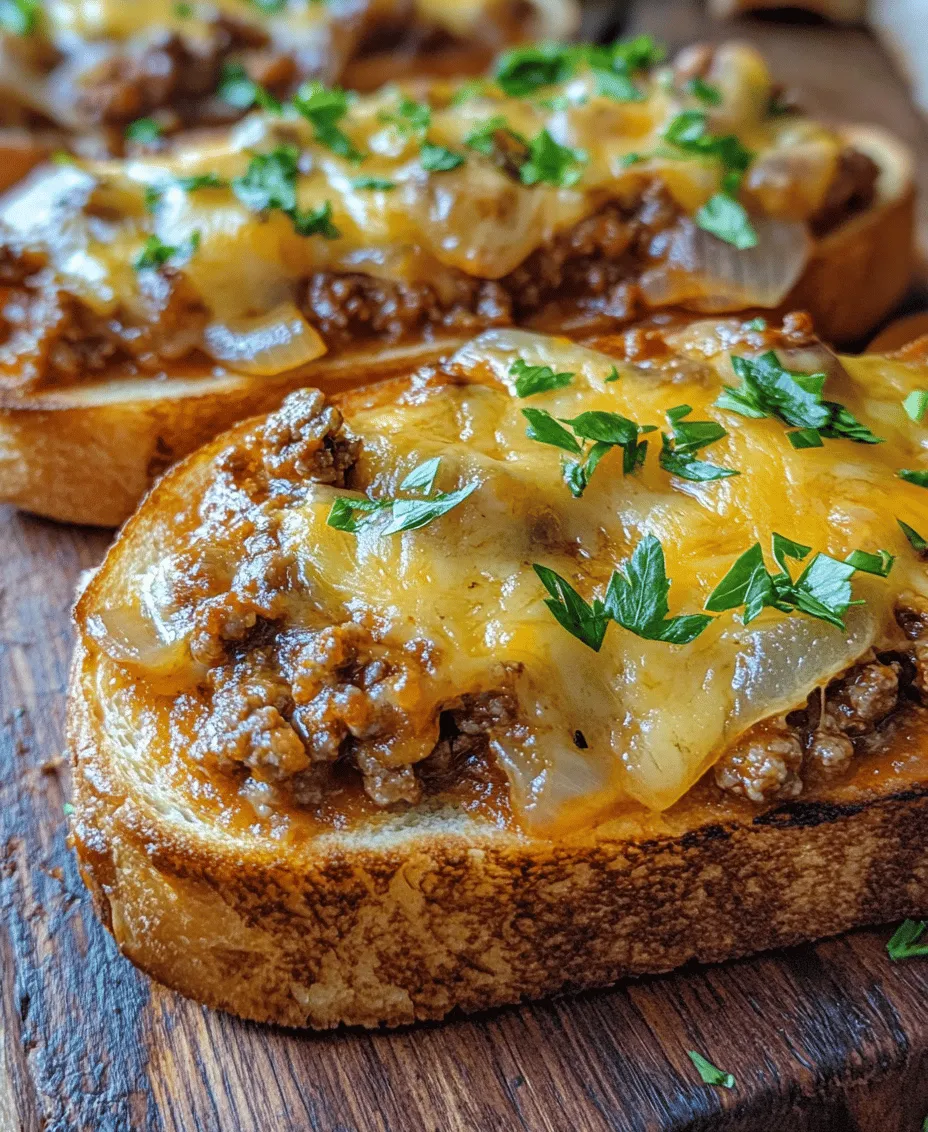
x=408, y=918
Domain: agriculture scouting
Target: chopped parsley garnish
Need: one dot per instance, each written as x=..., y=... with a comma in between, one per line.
x=613, y=375
x=907, y=942
x=523, y=70
x=880, y=563
x=324, y=107
x=438, y=159
x=202, y=181
x=155, y=253
x=373, y=183
x=724, y=216
x=481, y=137
x=710, y=1074
x=768, y=389
x=678, y=451
x=183, y=11
x=617, y=86
x=918, y=544
x=144, y=131
x=915, y=404
x=603, y=430
x=822, y=590
x=471, y=88
x=705, y=92
x=552, y=163
x=236, y=88
x=270, y=182
x=636, y=599
x=152, y=197
x=410, y=118
x=914, y=476
x=270, y=6
x=19, y=17
x=536, y=379
x=586, y=622
x=391, y=516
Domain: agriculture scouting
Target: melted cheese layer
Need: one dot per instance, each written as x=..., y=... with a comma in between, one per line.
x=473, y=221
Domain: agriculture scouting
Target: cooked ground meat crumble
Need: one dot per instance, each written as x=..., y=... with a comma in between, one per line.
x=52, y=338
x=289, y=709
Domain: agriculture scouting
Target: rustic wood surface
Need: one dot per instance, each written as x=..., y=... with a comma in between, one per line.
x=831, y=1038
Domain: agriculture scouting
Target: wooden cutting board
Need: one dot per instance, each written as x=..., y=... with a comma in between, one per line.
x=830, y=1038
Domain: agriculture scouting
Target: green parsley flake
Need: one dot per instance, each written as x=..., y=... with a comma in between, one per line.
x=917, y=477
x=270, y=183
x=236, y=88
x=906, y=942
x=915, y=404
x=918, y=544
x=604, y=430
x=375, y=183
x=880, y=563
x=678, y=452
x=536, y=379
x=410, y=118
x=19, y=17
x=636, y=599
x=202, y=181
x=586, y=622
x=710, y=1074
x=270, y=6
x=552, y=163
x=823, y=589
x=324, y=107
x=183, y=11
x=438, y=159
x=617, y=86
x=144, y=130
x=524, y=70
x=768, y=389
x=481, y=137
x=705, y=92
x=391, y=516
x=725, y=217
x=155, y=253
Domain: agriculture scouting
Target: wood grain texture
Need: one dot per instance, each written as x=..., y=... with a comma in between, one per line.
x=831, y=1038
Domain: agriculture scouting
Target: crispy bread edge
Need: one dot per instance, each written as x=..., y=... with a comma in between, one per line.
x=91, y=463
x=447, y=913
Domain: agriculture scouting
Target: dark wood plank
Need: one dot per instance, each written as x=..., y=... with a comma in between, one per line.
x=831, y=1038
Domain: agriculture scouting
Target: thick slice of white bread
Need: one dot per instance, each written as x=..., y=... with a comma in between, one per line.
x=398, y=917
x=407, y=918
x=88, y=452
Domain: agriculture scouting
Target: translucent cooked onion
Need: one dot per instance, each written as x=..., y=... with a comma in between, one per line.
x=266, y=344
x=780, y=664
x=126, y=635
x=480, y=221
x=707, y=274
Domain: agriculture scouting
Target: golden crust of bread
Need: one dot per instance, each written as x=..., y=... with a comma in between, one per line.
x=87, y=454
x=400, y=918
x=399, y=923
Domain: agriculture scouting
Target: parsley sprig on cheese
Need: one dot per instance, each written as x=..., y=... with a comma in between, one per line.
x=604, y=431
x=324, y=107
x=391, y=516
x=269, y=182
x=822, y=590
x=636, y=599
x=678, y=450
x=768, y=389
x=537, y=379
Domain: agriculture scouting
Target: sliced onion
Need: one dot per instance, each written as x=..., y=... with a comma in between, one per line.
x=780, y=664
x=707, y=274
x=267, y=344
x=131, y=639
x=480, y=221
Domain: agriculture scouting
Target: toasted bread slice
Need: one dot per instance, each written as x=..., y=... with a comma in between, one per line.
x=86, y=453
x=532, y=868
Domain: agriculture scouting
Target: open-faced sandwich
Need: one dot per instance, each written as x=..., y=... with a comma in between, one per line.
x=388, y=706
x=150, y=302
x=151, y=67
